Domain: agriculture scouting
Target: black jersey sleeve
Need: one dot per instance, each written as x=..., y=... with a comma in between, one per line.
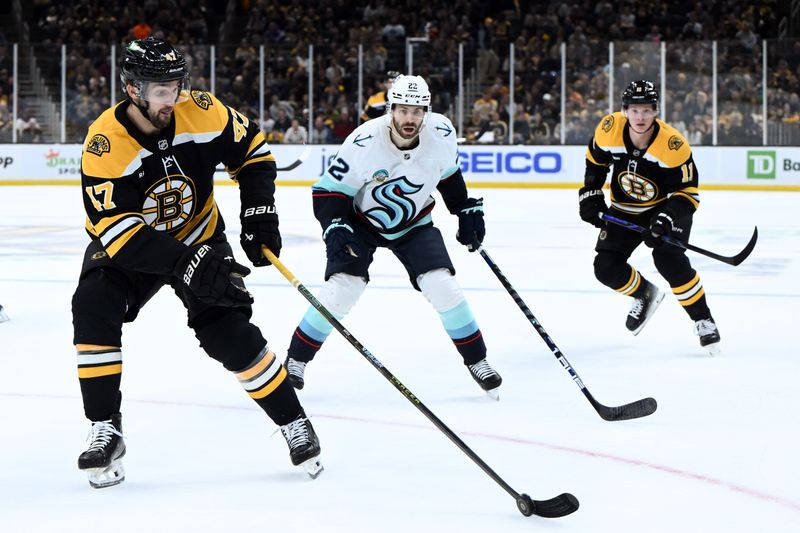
x=454, y=191
x=598, y=162
x=684, y=199
x=248, y=159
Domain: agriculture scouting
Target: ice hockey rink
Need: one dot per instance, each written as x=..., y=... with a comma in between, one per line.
x=719, y=455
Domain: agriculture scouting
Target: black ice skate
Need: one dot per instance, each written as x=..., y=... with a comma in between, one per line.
x=709, y=335
x=487, y=378
x=101, y=460
x=304, y=446
x=645, y=302
x=296, y=370
x=3, y=315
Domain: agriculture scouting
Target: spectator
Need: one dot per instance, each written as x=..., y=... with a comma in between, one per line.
x=28, y=129
x=321, y=134
x=296, y=134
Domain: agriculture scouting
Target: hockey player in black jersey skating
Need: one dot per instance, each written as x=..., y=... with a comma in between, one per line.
x=653, y=184
x=147, y=173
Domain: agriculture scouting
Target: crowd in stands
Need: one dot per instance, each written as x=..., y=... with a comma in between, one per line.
x=6, y=90
x=336, y=28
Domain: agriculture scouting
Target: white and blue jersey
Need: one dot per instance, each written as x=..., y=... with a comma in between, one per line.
x=391, y=188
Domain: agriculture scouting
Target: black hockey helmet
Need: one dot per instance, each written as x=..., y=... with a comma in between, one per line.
x=640, y=92
x=152, y=60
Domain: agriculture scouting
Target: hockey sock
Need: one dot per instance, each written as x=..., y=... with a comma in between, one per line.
x=309, y=336
x=460, y=325
x=634, y=286
x=99, y=374
x=265, y=381
x=692, y=296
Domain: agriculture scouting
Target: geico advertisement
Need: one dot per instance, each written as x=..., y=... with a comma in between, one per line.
x=745, y=166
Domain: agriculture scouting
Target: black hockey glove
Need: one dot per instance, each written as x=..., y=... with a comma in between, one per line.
x=592, y=202
x=211, y=278
x=342, y=245
x=260, y=226
x=661, y=225
x=471, y=228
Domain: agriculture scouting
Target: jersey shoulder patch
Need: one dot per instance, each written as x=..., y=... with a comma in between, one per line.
x=441, y=126
x=201, y=113
x=364, y=135
x=608, y=132
x=670, y=146
x=108, y=150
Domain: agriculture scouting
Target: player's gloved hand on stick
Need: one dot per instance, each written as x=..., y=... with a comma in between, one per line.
x=661, y=225
x=260, y=226
x=592, y=202
x=210, y=277
x=341, y=243
x=471, y=227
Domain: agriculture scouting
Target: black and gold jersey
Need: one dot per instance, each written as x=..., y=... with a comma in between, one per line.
x=642, y=178
x=376, y=106
x=148, y=197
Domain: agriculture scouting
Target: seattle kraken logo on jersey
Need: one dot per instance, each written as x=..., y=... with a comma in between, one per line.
x=395, y=210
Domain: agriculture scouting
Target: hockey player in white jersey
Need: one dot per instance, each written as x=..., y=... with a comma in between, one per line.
x=377, y=193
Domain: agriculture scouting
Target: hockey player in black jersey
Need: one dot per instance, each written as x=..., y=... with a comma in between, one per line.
x=147, y=173
x=653, y=184
x=376, y=103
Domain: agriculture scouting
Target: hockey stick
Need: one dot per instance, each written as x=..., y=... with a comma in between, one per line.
x=298, y=162
x=637, y=409
x=733, y=260
x=561, y=505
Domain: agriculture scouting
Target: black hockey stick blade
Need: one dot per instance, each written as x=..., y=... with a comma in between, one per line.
x=730, y=260
x=629, y=411
x=298, y=162
x=561, y=505
x=733, y=260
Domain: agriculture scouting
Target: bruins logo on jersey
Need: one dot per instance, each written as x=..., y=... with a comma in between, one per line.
x=99, y=255
x=675, y=142
x=202, y=99
x=169, y=203
x=637, y=187
x=608, y=123
x=98, y=145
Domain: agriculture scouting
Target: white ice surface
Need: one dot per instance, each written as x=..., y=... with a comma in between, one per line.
x=720, y=454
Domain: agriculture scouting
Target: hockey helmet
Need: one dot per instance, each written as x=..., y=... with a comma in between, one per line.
x=640, y=92
x=152, y=61
x=410, y=90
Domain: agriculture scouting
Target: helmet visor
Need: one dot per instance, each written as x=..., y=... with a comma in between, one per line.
x=164, y=92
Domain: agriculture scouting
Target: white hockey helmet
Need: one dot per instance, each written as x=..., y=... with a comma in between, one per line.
x=410, y=90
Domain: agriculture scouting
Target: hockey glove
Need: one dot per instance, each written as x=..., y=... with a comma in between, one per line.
x=260, y=226
x=211, y=278
x=661, y=225
x=592, y=202
x=342, y=245
x=471, y=228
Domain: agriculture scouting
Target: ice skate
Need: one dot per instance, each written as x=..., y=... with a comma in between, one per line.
x=102, y=459
x=296, y=370
x=643, y=307
x=3, y=315
x=709, y=335
x=304, y=446
x=486, y=377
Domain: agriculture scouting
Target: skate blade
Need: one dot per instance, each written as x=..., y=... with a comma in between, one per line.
x=494, y=394
x=713, y=349
x=100, y=478
x=313, y=467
